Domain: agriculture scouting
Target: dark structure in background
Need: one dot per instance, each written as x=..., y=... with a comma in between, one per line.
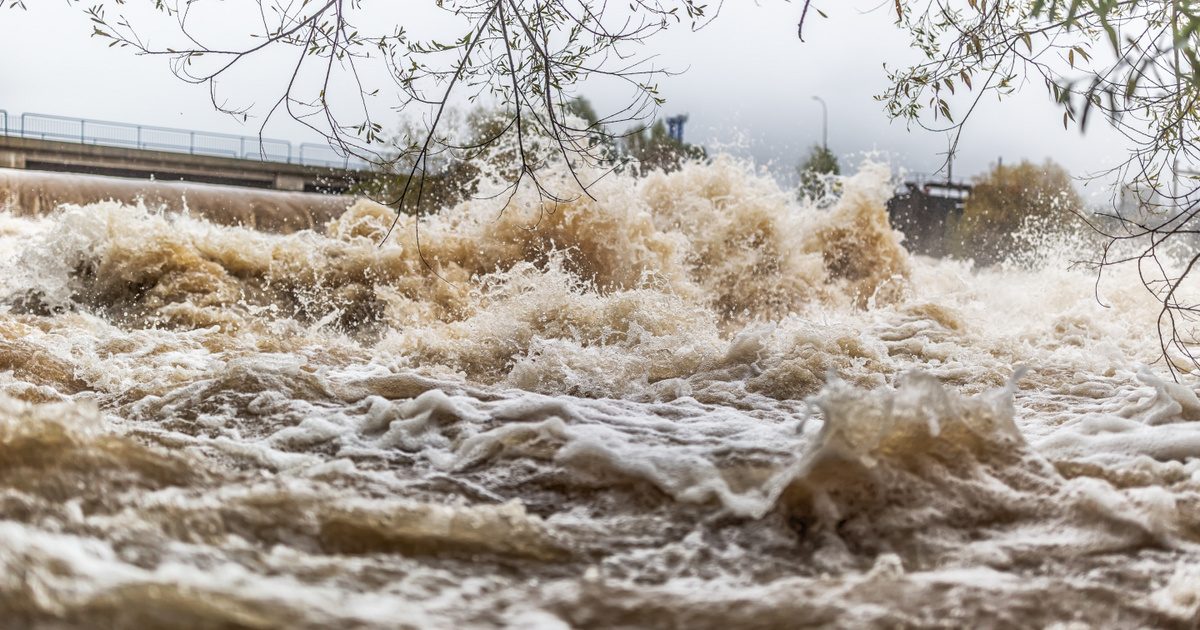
x=675, y=126
x=926, y=212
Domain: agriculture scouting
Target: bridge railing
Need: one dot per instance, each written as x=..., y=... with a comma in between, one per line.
x=129, y=136
x=124, y=135
x=323, y=155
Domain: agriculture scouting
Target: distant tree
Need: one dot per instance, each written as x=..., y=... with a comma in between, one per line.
x=582, y=108
x=652, y=148
x=449, y=176
x=1010, y=198
x=453, y=174
x=816, y=171
x=601, y=142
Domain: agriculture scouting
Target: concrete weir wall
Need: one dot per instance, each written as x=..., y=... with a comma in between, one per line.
x=36, y=193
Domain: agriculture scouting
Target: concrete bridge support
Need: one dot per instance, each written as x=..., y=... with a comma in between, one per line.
x=12, y=159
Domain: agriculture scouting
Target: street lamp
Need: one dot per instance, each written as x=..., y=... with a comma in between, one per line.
x=824, y=123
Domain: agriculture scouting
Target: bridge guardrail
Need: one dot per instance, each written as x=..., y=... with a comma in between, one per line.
x=124, y=135
x=324, y=155
x=148, y=137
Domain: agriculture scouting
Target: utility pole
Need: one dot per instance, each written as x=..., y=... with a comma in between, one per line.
x=824, y=123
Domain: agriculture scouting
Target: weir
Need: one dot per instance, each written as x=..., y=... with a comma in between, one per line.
x=32, y=193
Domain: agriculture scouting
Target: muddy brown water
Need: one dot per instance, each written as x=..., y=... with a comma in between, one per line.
x=690, y=402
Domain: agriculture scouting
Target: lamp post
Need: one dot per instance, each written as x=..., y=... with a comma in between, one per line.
x=824, y=123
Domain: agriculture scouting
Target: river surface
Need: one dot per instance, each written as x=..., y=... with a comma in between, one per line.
x=688, y=402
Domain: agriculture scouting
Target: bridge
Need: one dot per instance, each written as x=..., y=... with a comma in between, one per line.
x=78, y=145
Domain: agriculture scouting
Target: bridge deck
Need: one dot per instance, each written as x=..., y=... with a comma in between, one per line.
x=54, y=155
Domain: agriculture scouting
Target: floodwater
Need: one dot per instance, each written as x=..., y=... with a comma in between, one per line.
x=689, y=402
x=39, y=193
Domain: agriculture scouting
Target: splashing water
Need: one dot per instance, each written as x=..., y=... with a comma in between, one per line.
x=687, y=402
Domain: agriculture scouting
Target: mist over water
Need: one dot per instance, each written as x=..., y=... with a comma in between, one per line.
x=687, y=402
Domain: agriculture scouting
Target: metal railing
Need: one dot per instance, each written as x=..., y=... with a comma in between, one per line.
x=129, y=136
x=324, y=155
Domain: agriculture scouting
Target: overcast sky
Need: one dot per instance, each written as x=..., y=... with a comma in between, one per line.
x=749, y=85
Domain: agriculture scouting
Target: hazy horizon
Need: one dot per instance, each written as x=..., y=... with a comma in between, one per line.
x=840, y=61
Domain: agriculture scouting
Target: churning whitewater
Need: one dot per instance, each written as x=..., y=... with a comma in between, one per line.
x=684, y=401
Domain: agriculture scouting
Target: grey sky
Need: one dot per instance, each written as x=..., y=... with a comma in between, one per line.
x=748, y=84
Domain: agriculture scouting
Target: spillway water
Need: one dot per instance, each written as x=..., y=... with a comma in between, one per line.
x=38, y=193
x=688, y=402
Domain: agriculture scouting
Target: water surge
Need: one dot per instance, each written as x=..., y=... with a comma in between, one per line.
x=685, y=401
